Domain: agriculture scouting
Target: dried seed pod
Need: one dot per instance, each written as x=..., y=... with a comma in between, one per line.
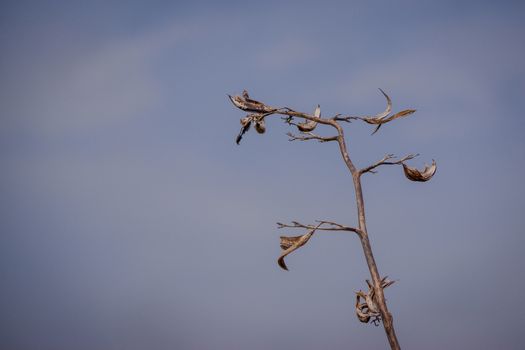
x=404, y=113
x=246, y=122
x=369, y=307
x=260, y=126
x=247, y=98
x=247, y=104
x=376, y=119
x=289, y=244
x=361, y=309
x=414, y=174
x=369, y=299
x=310, y=125
x=382, y=118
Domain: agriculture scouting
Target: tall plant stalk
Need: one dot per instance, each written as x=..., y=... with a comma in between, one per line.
x=371, y=305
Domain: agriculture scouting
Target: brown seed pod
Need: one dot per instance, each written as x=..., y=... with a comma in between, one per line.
x=289, y=244
x=310, y=125
x=247, y=104
x=246, y=122
x=361, y=309
x=382, y=118
x=414, y=174
x=260, y=126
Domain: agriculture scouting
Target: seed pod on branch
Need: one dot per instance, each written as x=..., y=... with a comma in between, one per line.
x=289, y=244
x=260, y=126
x=369, y=308
x=382, y=118
x=310, y=125
x=414, y=174
x=245, y=103
x=246, y=122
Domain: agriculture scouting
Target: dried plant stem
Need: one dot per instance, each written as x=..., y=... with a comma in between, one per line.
x=375, y=301
x=386, y=316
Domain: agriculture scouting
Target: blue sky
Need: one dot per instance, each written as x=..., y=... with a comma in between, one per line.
x=130, y=218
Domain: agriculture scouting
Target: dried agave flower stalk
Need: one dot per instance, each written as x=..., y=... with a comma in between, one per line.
x=371, y=305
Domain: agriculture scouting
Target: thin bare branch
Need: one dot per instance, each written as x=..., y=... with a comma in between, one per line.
x=310, y=136
x=341, y=118
x=332, y=226
x=385, y=161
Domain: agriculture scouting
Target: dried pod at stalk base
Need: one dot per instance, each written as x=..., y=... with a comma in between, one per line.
x=369, y=308
x=369, y=299
x=310, y=125
x=414, y=174
x=361, y=309
x=289, y=244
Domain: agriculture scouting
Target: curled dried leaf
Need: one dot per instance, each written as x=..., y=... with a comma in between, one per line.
x=414, y=174
x=289, y=244
x=310, y=125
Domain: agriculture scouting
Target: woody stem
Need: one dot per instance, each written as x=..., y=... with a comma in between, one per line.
x=365, y=243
